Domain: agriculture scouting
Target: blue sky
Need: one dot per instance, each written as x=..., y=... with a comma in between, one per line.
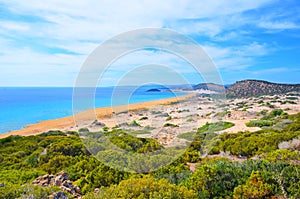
x=44, y=43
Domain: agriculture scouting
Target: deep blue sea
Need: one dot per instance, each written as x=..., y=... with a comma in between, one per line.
x=22, y=106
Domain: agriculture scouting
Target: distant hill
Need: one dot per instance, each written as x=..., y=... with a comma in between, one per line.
x=209, y=86
x=248, y=88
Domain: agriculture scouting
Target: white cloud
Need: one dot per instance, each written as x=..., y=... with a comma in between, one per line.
x=98, y=20
x=283, y=25
x=24, y=67
x=232, y=58
x=270, y=70
x=16, y=26
x=79, y=26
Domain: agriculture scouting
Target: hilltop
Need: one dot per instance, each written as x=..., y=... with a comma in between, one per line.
x=248, y=88
x=209, y=86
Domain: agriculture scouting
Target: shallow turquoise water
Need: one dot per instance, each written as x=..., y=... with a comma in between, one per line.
x=22, y=106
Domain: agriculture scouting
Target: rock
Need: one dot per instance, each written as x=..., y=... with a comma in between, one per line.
x=77, y=189
x=43, y=180
x=66, y=189
x=97, y=123
x=31, y=196
x=96, y=191
x=61, y=180
x=58, y=195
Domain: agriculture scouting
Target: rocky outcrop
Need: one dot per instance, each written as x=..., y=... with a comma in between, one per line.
x=249, y=88
x=61, y=180
x=58, y=195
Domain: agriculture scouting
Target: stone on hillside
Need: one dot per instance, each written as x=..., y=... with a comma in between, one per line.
x=61, y=180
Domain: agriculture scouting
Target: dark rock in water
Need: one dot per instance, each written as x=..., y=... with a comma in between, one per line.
x=153, y=90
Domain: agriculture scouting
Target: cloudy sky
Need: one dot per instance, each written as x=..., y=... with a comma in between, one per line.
x=45, y=43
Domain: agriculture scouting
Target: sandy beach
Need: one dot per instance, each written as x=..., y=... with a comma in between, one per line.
x=164, y=120
x=68, y=123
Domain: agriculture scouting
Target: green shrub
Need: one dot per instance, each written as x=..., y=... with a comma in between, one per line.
x=53, y=133
x=259, y=123
x=170, y=125
x=168, y=118
x=190, y=120
x=144, y=118
x=83, y=130
x=105, y=128
x=134, y=123
x=188, y=136
x=134, y=144
x=217, y=126
x=268, y=104
x=143, y=188
x=292, y=98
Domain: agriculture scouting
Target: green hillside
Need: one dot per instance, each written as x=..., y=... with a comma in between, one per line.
x=262, y=164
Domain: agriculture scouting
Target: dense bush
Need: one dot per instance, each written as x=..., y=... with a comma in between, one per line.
x=275, y=174
x=255, y=143
x=213, y=127
x=170, y=125
x=259, y=123
x=143, y=188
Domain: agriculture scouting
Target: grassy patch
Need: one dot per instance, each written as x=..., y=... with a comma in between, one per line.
x=190, y=120
x=134, y=123
x=223, y=113
x=288, y=102
x=149, y=128
x=259, y=123
x=263, y=112
x=217, y=126
x=188, y=136
x=83, y=130
x=168, y=118
x=138, y=132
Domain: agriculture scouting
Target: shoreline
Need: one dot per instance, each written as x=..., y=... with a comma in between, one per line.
x=101, y=113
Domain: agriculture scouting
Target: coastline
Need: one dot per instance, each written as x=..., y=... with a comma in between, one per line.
x=101, y=113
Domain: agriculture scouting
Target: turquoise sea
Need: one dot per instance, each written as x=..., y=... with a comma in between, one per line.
x=27, y=105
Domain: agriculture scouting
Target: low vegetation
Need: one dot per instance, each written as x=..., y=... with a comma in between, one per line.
x=170, y=125
x=259, y=123
x=274, y=173
x=274, y=117
x=217, y=126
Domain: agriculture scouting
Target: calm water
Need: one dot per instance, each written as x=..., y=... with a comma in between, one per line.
x=22, y=106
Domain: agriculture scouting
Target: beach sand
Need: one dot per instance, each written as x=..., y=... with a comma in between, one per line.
x=192, y=112
x=68, y=123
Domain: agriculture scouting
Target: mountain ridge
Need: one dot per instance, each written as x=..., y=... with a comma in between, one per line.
x=252, y=87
